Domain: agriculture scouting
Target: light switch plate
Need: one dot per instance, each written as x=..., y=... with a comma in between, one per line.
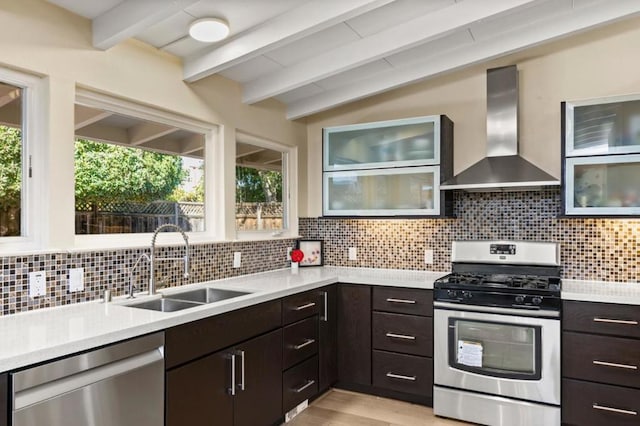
x=428, y=257
x=237, y=259
x=76, y=279
x=37, y=284
x=353, y=253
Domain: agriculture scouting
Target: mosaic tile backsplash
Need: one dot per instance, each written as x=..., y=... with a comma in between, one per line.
x=591, y=249
x=109, y=269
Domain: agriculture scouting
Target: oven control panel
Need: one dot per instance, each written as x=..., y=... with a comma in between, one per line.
x=502, y=249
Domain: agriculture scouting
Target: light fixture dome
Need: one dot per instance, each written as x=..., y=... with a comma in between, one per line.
x=209, y=30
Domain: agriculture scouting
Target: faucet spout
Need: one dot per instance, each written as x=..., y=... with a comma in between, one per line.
x=153, y=259
x=132, y=270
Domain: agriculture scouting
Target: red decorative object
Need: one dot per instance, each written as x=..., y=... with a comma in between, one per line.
x=297, y=255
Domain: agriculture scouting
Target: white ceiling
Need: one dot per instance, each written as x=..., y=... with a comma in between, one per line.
x=314, y=55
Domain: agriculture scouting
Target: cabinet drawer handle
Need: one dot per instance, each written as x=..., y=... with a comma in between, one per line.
x=301, y=307
x=613, y=364
x=401, y=336
x=615, y=321
x=614, y=410
x=305, y=386
x=401, y=377
x=232, y=389
x=407, y=301
x=306, y=343
x=325, y=317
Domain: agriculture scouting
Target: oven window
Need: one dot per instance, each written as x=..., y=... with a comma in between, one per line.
x=495, y=349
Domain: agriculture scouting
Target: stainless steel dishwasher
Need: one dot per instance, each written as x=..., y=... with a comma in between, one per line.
x=118, y=385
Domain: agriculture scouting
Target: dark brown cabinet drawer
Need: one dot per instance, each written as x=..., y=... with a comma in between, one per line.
x=300, y=341
x=601, y=318
x=403, y=300
x=300, y=306
x=196, y=339
x=403, y=373
x=593, y=404
x=299, y=383
x=403, y=333
x=602, y=359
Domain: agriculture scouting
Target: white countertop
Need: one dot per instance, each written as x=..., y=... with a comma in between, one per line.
x=601, y=291
x=36, y=336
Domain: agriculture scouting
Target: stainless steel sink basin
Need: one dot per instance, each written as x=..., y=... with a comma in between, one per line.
x=165, y=305
x=206, y=295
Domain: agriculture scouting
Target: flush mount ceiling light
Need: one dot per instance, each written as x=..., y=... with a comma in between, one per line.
x=209, y=30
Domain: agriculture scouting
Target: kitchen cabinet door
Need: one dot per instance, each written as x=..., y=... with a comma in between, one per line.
x=354, y=334
x=4, y=400
x=328, y=336
x=258, y=399
x=198, y=393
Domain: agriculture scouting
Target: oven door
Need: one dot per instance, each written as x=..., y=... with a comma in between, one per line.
x=496, y=353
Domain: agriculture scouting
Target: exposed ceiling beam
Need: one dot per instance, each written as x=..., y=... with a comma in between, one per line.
x=9, y=97
x=585, y=17
x=192, y=144
x=245, y=153
x=306, y=19
x=165, y=145
x=146, y=131
x=131, y=17
x=104, y=133
x=377, y=46
x=85, y=116
x=260, y=166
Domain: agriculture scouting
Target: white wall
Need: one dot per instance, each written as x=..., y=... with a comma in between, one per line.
x=42, y=39
x=599, y=63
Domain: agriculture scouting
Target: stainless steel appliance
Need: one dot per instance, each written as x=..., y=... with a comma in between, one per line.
x=119, y=385
x=497, y=334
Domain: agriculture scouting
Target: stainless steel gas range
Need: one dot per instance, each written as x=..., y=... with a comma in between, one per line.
x=497, y=334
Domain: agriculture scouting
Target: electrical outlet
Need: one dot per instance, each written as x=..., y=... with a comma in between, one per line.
x=353, y=253
x=37, y=284
x=76, y=279
x=428, y=257
x=237, y=259
x=289, y=250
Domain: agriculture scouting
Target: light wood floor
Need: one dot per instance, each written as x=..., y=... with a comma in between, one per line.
x=343, y=408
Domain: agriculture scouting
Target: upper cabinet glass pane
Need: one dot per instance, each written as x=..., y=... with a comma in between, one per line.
x=604, y=127
x=396, y=143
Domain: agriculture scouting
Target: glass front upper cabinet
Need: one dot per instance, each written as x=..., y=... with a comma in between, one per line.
x=602, y=157
x=603, y=126
x=605, y=185
x=387, y=192
x=388, y=168
x=395, y=143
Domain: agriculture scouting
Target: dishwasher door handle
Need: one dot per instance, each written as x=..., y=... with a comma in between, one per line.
x=61, y=386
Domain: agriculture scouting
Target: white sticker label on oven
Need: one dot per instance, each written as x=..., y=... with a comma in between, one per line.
x=470, y=353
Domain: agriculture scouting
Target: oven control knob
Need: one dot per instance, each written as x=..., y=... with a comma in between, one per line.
x=467, y=294
x=519, y=299
x=452, y=293
x=536, y=300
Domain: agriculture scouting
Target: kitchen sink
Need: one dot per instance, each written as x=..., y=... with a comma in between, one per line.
x=187, y=299
x=165, y=305
x=206, y=295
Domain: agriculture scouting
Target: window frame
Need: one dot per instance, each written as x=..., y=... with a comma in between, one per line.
x=289, y=190
x=211, y=131
x=33, y=226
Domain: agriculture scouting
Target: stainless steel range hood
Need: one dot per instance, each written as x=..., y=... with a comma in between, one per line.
x=503, y=169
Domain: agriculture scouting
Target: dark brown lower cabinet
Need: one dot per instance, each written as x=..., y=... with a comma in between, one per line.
x=596, y=404
x=200, y=392
x=4, y=399
x=403, y=373
x=328, y=337
x=354, y=334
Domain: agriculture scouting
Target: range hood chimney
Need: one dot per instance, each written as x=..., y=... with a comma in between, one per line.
x=502, y=169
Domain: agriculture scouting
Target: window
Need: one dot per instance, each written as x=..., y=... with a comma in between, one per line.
x=21, y=172
x=136, y=171
x=263, y=186
x=12, y=167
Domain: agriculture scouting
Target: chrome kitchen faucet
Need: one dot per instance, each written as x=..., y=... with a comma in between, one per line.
x=152, y=259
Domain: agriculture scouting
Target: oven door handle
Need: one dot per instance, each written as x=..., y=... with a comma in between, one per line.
x=495, y=310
